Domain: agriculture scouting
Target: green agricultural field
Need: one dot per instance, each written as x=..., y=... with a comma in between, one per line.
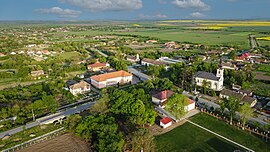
x=230, y=132
x=198, y=36
x=189, y=138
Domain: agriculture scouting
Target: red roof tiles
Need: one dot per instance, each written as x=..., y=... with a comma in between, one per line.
x=166, y=120
x=164, y=94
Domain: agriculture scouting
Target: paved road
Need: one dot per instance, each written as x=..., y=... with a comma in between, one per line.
x=137, y=73
x=101, y=53
x=47, y=119
x=216, y=106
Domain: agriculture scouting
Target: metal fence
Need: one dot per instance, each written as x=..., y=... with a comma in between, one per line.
x=36, y=140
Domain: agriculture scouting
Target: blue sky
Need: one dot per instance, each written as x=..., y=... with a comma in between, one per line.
x=133, y=9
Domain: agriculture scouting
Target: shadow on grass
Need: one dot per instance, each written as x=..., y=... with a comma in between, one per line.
x=221, y=146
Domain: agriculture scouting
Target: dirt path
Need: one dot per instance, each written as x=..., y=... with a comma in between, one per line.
x=63, y=143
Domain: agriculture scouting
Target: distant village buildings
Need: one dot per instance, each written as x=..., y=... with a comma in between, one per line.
x=134, y=59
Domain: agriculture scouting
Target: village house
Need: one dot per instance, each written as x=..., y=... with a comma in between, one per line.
x=190, y=106
x=168, y=60
x=245, y=57
x=79, y=88
x=113, y=78
x=170, y=45
x=215, y=81
x=2, y=55
x=13, y=53
x=39, y=53
x=238, y=89
x=161, y=97
x=97, y=66
x=37, y=74
x=243, y=97
x=215, y=52
x=229, y=66
x=21, y=52
x=134, y=59
x=30, y=52
x=184, y=47
x=151, y=41
x=46, y=52
x=148, y=62
x=165, y=122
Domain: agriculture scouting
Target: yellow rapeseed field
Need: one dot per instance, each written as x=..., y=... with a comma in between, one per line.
x=137, y=25
x=209, y=23
x=210, y=28
x=165, y=24
x=264, y=38
x=251, y=23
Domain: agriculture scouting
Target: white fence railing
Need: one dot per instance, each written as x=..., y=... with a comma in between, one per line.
x=36, y=140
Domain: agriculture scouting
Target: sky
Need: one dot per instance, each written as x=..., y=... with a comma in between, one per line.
x=133, y=9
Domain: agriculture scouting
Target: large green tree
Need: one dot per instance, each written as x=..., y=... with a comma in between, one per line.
x=129, y=108
x=102, y=132
x=176, y=105
x=232, y=105
x=142, y=140
x=245, y=113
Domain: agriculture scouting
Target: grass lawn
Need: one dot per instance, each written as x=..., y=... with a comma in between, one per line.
x=189, y=138
x=69, y=55
x=230, y=132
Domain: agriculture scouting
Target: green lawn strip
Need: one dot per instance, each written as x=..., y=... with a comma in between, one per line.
x=242, y=137
x=25, y=135
x=189, y=138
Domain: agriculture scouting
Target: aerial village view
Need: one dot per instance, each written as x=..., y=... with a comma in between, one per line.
x=135, y=76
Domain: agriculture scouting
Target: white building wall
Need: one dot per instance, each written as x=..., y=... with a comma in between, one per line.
x=157, y=101
x=146, y=63
x=190, y=107
x=165, y=125
x=214, y=85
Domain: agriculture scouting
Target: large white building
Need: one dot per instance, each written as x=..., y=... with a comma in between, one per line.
x=169, y=60
x=215, y=81
x=113, y=78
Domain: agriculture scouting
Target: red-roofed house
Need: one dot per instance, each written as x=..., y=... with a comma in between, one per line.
x=161, y=97
x=97, y=66
x=165, y=122
x=191, y=105
x=243, y=57
x=46, y=52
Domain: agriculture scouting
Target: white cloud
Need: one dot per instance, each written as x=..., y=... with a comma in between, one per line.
x=106, y=5
x=157, y=16
x=191, y=4
x=59, y=11
x=196, y=15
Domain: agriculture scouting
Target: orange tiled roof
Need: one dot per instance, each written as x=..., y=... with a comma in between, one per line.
x=95, y=65
x=104, y=77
